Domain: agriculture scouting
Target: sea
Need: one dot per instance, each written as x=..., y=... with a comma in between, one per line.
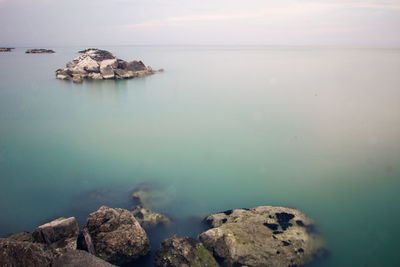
x=223, y=127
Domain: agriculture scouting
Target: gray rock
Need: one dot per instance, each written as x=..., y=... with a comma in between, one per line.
x=262, y=236
x=61, y=232
x=6, y=49
x=23, y=236
x=148, y=218
x=72, y=258
x=39, y=51
x=117, y=236
x=17, y=253
x=186, y=251
x=135, y=66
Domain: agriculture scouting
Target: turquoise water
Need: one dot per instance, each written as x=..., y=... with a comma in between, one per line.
x=223, y=127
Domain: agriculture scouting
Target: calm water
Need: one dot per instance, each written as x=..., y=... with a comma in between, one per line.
x=223, y=127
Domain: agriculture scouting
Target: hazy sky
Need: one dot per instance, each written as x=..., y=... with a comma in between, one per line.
x=123, y=22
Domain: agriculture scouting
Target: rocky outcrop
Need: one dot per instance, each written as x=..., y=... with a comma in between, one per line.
x=187, y=251
x=148, y=218
x=72, y=258
x=262, y=236
x=96, y=64
x=39, y=51
x=117, y=236
x=23, y=236
x=62, y=232
x=6, y=49
x=17, y=253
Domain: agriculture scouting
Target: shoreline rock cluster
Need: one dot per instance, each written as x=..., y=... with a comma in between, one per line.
x=96, y=64
x=39, y=51
x=6, y=49
x=261, y=236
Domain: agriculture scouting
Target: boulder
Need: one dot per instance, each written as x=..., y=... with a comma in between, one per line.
x=148, y=218
x=77, y=78
x=186, y=251
x=23, y=236
x=262, y=236
x=17, y=253
x=72, y=258
x=87, y=64
x=117, y=236
x=39, y=51
x=135, y=66
x=61, y=232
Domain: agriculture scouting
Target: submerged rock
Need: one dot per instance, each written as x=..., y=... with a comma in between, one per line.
x=262, y=236
x=96, y=64
x=60, y=233
x=6, y=49
x=39, y=51
x=186, y=251
x=117, y=236
x=17, y=253
x=148, y=218
x=152, y=196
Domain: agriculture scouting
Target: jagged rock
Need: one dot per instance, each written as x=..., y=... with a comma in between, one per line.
x=72, y=258
x=23, y=236
x=99, y=64
x=262, y=236
x=6, y=49
x=186, y=251
x=117, y=236
x=61, y=232
x=17, y=253
x=39, y=51
x=148, y=218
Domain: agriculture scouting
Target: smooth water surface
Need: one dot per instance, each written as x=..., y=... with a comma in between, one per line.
x=223, y=127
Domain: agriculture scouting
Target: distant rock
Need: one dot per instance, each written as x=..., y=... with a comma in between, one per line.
x=262, y=236
x=117, y=236
x=186, y=251
x=6, y=49
x=96, y=64
x=39, y=51
x=17, y=253
x=148, y=218
x=60, y=233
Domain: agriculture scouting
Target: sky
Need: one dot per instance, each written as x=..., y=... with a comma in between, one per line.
x=199, y=22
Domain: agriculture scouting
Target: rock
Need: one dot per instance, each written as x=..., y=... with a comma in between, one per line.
x=73, y=258
x=17, y=253
x=39, y=51
x=186, y=251
x=77, y=78
x=23, y=236
x=161, y=70
x=117, y=236
x=148, y=218
x=99, y=64
x=262, y=236
x=152, y=195
x=6, y=49
x=61, y=232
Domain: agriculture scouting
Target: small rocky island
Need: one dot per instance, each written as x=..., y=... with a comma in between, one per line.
x=6, y=49
x=261, y=236
x=39, y=51
x=96, y=64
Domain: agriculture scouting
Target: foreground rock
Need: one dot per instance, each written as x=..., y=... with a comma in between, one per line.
x=262, y=236
x=96, y=64
x=6, y=49
x=72, y=258
x=23, y=236
x=117, y=236
x=17, y=253
x=187, y=251
x=39, y=51
x=62, y=232
x=148, y=218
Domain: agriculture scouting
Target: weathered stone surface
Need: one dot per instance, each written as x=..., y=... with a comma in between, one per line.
x=23, y=236
x=61, y=232
x=39, y=51
x=135, y=66
x=262, y=236
x=17, y=253
x=148, y=218
x=117, y=236
x=77, y=78
x=186, y=251
x=72, y=258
